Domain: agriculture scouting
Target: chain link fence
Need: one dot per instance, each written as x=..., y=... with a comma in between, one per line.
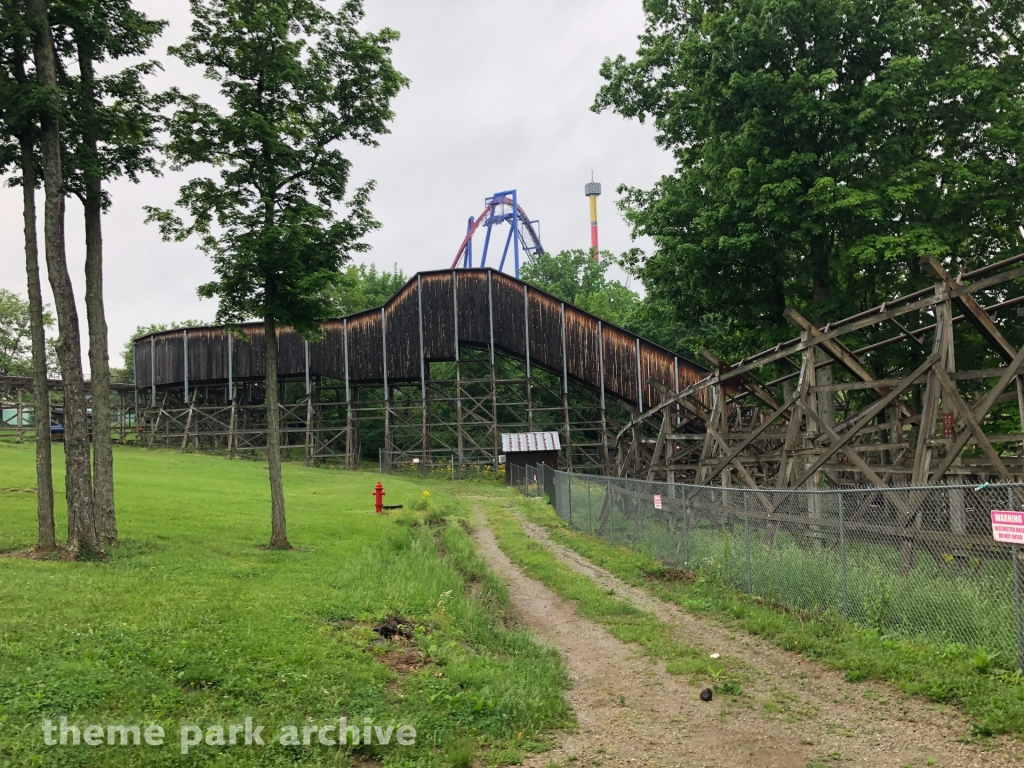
x=909, y=562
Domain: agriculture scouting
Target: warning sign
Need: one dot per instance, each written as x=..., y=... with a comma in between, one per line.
x=657, y=501
x=1008, y=526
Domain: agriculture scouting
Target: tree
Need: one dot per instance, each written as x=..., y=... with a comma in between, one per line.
x=363, y=287
x=820, y=148
x=296, y=80
x=126, y=375
x=82, y=530
x=16, y=343
x=111, y=132
x=575, y=276
x=20, y=95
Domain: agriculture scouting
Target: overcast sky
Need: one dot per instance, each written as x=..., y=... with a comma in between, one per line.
x=499, y=99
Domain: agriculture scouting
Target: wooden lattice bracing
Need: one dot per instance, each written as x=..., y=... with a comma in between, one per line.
x=834, y=419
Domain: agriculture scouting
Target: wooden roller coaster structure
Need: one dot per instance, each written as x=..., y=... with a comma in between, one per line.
x=833, y=419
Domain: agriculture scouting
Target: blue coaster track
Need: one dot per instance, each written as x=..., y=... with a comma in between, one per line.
x=523, y=234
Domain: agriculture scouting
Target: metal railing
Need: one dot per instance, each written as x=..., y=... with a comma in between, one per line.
x=908, y=562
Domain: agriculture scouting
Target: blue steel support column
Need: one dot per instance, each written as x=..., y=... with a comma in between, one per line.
x=515, y=229
x=467, y=258
x=489, y=223
x=504, y=252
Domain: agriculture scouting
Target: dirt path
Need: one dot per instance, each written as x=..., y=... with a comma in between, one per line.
x=792, y=713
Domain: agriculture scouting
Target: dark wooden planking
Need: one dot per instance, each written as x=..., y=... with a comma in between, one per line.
x=581, y=343
x=403, y=332
x=143, y=365
x=208, y=346
x=509, y=314
x=438, y=310
x=620, y=363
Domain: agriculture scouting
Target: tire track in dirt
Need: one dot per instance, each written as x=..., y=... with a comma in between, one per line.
x=631, y=712
x=800, y=705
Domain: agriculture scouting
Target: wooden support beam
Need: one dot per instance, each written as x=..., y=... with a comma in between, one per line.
x=972, y=423
x=747, y=380
x=868, y=415
x=732, y=454
x=838, y=352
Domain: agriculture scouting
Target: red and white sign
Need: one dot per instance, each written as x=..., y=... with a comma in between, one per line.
x=1008, y=526
x=657, y=501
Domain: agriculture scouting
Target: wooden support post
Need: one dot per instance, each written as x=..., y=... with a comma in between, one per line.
x=459, y=415
x=231, y=428
x=20, y=415
x=529, y=381
x=425, y=445
x=604, y=420
x=188, y=426
x=495, y=437
x=565, y=397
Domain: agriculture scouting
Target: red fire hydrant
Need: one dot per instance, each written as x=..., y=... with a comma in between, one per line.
x=378, y=495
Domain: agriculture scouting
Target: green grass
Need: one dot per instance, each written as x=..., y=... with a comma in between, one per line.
x=969, y=678
x=941, y=603
x=191, y=621
x=622, y=619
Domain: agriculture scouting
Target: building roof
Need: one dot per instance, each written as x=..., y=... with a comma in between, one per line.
x=526, y=442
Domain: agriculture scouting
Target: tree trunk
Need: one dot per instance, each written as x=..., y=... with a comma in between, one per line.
x=99, y=363
x=40, y=391
x=82, y=535
x=278, y=527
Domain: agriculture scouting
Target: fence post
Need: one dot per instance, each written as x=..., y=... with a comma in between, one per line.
x=1016, y=594
x=568, y=481
x=842, y=556
x=686, y=530
x=746, y=525
x=590, y=508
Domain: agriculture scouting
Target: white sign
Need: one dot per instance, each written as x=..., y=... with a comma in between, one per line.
x=415, y=461
x=657, y=501
x=1008, y=526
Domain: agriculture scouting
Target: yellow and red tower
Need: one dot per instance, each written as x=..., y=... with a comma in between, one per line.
x=592, y=190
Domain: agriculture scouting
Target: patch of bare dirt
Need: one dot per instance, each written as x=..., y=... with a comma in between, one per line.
x=34, y=553
x=794, y=711
x=403, y=660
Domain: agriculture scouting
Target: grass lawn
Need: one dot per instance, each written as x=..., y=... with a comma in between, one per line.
x=191, y=623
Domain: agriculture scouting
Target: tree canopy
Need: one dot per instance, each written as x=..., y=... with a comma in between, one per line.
x=15, y=335
x=574, y=276
x=820, y=149
x=363, y=286
x=297, y=81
